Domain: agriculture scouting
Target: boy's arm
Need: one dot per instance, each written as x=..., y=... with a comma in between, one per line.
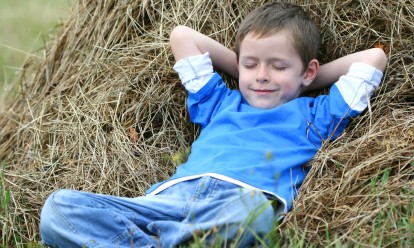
x=186, y=42
x=329, y=73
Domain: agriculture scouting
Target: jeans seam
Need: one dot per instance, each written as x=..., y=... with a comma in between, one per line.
x=71, y=227
x=63, y=218
x=124, y=235
x=195, y=197
x=213, y=189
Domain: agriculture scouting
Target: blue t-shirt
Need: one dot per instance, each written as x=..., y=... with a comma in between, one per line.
x=262, y=149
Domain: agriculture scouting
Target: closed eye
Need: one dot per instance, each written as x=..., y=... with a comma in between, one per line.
x=279, y=67
x=248, y=66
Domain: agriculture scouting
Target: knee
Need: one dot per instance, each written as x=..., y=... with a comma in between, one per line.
x=53, y=211
x=56, y=226
x=49, y=208
x=54, y=200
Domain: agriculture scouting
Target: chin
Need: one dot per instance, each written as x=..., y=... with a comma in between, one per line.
x=264, y=106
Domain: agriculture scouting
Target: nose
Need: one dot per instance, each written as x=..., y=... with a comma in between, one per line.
x=262, y=75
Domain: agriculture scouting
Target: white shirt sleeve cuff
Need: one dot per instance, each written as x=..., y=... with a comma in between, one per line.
x=358, y=84
x=194, y=71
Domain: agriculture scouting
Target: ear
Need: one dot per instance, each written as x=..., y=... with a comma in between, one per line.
x=310, y=72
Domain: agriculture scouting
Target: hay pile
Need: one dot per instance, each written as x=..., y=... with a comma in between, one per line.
x=103, y=111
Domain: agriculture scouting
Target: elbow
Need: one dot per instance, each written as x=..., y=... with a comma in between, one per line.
x=184, y=42
x=178, y=35
x=176, y=32
x=379, y=59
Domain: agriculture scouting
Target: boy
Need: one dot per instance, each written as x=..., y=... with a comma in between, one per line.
x=252, y=147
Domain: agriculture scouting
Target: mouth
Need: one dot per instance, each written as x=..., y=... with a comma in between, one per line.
x=263, y=92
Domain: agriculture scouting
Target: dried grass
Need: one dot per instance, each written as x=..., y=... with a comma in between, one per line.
x=103, y=111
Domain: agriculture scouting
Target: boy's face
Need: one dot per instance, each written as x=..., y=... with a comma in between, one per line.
x=271, y=72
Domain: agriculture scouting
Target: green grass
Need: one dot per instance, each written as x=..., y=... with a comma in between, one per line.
x=4, y=206
x=25, y=26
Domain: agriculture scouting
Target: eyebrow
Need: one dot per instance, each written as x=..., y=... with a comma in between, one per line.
x=271, y=60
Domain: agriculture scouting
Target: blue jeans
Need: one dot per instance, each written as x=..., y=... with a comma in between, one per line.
x=211, y=209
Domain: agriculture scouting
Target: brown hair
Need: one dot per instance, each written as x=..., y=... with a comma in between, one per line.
x=273, y=17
